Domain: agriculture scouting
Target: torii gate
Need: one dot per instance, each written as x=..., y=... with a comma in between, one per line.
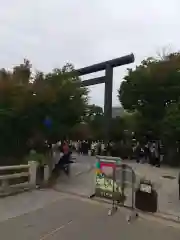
x=108, y=80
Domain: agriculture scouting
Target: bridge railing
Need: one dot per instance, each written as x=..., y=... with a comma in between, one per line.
x=27, y=172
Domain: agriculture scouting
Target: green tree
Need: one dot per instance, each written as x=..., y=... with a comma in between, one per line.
x=26, y=100
x=171, y=133
x=94, y=116
x=171, y=122
x=81, y=131
x=118, y=127
x=91, y=125
x=150, y=88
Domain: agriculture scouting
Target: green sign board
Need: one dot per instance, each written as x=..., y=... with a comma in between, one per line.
x=106, y=185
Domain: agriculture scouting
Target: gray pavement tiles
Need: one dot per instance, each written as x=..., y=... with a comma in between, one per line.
x=71, y=218
x=35, y=215
x=167, y=189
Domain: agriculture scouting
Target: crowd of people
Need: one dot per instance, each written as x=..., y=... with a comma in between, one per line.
x=90, y=148
x=151, y=152
x=61, y=152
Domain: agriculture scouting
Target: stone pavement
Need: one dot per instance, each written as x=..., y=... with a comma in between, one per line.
x=167, y=189
x=76, y=218
x=21, y=211
x=79, y=168
x=82, y=185
x=14, y=206
x=81, y=180
x=50, y=214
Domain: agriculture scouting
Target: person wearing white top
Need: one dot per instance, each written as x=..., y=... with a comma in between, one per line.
x=92, y=148
x=102, y=148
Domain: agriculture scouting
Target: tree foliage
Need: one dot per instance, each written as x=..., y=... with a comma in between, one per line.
x=171, y=123
x=150, y=88
x=94, y=116
x=27, y=99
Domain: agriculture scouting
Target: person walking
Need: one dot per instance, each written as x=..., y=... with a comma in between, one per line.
x=146, y=153
x=65, y=159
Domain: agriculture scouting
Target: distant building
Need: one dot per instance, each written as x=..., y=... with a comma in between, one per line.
x=117, y=112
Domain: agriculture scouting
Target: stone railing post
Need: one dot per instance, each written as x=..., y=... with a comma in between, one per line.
x=32, y=172
x=5, y=185
x=46, y=173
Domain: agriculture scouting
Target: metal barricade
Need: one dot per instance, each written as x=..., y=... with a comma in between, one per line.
x=126, y=179
x=114, y=181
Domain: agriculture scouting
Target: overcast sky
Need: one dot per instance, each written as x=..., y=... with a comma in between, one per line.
x=52, y=32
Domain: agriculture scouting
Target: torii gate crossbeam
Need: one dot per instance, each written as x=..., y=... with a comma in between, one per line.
x=108, y=80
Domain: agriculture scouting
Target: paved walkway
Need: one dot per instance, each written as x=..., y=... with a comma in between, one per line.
x=50, y=214
x=167, y=188
x=26, y=202
x=66, y=217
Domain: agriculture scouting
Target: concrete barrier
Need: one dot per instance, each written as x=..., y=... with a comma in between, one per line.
x=29, y=170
